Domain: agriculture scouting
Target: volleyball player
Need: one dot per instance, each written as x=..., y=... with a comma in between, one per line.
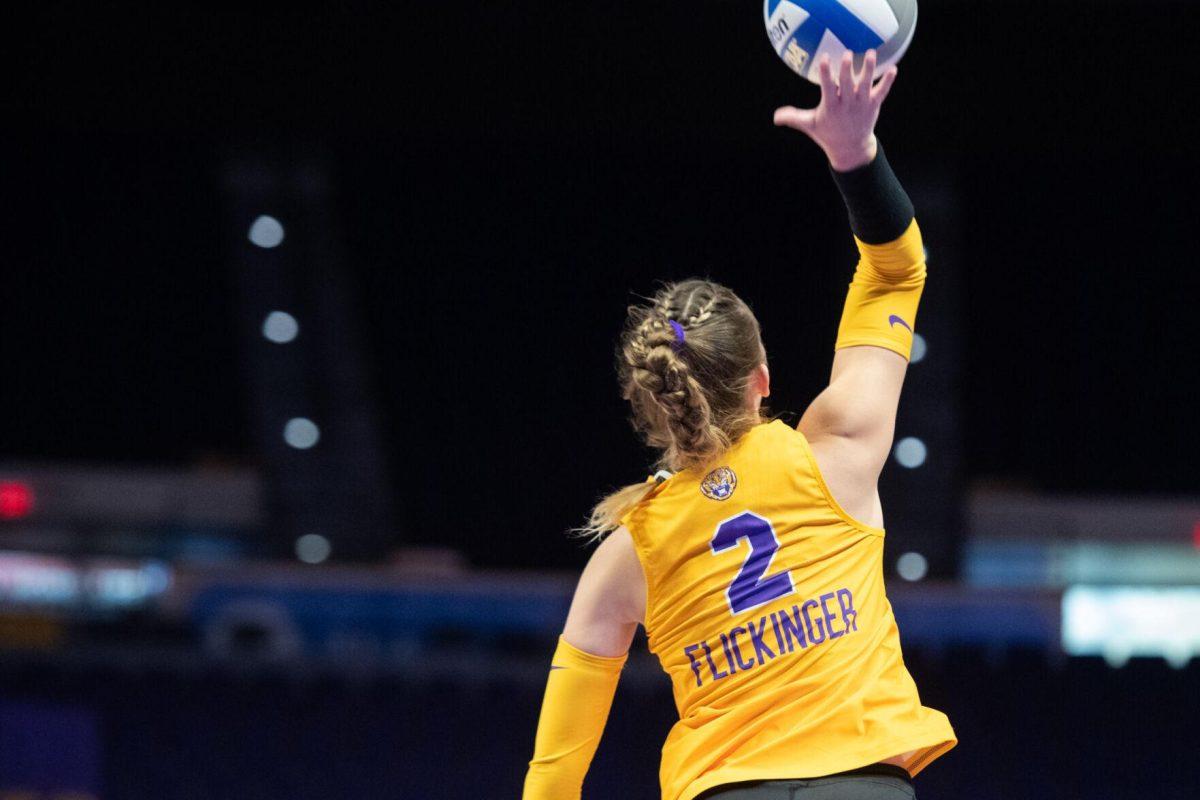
x=754, y=558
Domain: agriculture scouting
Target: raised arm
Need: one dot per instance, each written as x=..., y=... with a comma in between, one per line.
x=852, y=422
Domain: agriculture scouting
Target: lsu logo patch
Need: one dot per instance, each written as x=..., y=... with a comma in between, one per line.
x=719, y=484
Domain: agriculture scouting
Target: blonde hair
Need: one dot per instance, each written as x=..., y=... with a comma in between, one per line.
x=685, y=362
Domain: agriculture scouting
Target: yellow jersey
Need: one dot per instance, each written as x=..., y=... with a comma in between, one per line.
x=766, y=607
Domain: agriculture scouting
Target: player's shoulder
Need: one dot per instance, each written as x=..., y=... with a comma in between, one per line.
x=615, y=544
x=616, y=559
x=616, y=554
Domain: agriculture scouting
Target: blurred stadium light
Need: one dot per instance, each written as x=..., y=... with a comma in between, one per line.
x=29, y=581
x=314, y=417
x=922, y=489
x=16, y=499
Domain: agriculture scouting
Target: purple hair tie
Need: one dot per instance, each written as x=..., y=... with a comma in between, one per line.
x=680, y=336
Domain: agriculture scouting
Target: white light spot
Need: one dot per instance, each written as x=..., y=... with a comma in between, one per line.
x=266, y=232
x=1177, y=656
x=911, y=452
x=312, y=548
x=1117, y=654
x=919, y=349
x=912, y=566
x=925, y=252
x=157, y=577
x=301, y=433
x=280, y=327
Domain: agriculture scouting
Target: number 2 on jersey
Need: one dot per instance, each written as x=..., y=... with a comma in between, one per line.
x=750, y=588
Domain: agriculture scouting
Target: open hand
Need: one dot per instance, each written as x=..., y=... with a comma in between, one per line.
x=843, y=123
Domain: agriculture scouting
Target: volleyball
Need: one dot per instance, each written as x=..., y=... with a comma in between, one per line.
x=802, y=31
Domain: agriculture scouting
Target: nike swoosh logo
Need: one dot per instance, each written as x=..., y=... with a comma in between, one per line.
x=552, y=668
x=893, y=319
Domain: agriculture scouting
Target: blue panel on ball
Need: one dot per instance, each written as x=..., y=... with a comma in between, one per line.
x=831, y=15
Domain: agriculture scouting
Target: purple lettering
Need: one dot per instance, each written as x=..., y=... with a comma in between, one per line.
x=716, y=673
x=808, y=623
x=829, y=615
x=792, y=628
x=687, y=651
x=756, y=638
x=737, y=653
x=799, y=627
x=775, y=627
x=733, y=667
x=849, y=615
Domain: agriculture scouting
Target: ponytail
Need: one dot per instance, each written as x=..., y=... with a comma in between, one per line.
x=606, y=515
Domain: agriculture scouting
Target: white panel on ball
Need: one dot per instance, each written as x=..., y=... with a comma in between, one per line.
x=801, y=31
x=832, y=47
x=877, y=16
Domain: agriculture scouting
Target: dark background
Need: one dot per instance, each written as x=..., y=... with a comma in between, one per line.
x=508, y=176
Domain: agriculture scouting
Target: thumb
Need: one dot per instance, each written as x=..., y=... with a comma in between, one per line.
x=800, y=119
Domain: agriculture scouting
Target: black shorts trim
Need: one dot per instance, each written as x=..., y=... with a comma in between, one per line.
x=870, y=770
x=890, y=770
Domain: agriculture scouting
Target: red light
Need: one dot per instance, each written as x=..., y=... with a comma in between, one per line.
x=16, y=499
x=1196, y=535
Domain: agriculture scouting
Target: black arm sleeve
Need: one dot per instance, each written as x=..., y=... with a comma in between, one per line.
x=880, y=209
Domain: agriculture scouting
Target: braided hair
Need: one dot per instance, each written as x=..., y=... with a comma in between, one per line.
x=685, y=362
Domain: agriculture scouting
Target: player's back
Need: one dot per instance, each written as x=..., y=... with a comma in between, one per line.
x=766, y=607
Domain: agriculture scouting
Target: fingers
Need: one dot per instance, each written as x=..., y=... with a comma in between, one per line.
x=880, y=92
x=825, y=74
x=856, y=85
x=800, y=119
x=866, y=76
x=845, y=78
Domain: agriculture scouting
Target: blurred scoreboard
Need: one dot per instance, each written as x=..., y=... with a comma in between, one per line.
x=1127, y=568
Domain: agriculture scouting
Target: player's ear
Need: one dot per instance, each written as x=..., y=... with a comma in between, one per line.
x=760, y=380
